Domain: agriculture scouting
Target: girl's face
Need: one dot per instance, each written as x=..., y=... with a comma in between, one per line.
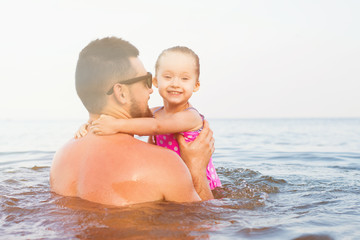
x=176, y=78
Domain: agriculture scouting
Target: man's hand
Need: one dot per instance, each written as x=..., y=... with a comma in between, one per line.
x=196, y=156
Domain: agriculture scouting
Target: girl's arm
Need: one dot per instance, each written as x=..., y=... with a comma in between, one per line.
x=174, y=123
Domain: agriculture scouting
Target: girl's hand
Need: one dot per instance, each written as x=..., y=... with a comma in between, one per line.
x=104, y=125
x=82, y=131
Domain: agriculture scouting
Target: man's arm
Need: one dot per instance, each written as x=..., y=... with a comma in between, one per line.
x=196, y=156
x=176, y=181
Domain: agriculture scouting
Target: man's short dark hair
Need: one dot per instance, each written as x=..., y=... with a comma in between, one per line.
x=101, y=64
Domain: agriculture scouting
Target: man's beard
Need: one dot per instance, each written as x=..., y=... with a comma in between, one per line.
x=136, y=112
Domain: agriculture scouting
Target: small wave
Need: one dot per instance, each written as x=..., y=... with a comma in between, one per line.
x=26, y=152
x=14, y=158
x=355, y=167
x=248, y=186
x=238, y=176
x=237, y=173
x=248, y=232
x=308, y=156
x=36, y=168
x=350, y=157
x=314, y=237
x=11, y=181
x=8, y=201
x=308, y=206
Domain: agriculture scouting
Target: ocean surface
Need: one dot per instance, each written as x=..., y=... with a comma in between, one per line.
x=282, y=179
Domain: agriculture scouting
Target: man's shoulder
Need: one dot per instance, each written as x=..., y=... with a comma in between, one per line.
x=156, y=157
x=116, y=145
x=155, y=153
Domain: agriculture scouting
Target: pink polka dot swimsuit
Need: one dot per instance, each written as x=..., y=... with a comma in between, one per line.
x=169, y=141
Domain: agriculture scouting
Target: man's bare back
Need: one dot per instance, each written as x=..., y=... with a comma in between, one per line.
x=120, y=170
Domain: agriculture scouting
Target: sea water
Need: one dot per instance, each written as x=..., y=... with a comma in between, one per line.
x=282, y=179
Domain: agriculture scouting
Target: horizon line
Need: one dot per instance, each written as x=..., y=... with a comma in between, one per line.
x=210, y=118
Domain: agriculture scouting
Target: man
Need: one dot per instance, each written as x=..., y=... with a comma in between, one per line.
x=120, y=169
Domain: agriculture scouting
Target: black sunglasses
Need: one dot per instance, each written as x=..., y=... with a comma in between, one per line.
x=147, y=77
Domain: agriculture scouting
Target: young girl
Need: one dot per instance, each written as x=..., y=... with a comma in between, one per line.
x=177, y=72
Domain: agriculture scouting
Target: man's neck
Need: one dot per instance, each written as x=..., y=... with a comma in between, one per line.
x=116, y=113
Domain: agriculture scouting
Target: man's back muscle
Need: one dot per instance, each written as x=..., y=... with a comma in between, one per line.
x=119, y=170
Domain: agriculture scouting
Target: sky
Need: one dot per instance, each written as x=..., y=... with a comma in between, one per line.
x=259, y=59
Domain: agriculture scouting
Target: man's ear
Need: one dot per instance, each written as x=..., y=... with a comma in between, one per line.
x=121, y=93
x=155, y=82
x=197, y=86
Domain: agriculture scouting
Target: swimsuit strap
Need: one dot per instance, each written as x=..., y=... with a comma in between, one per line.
x=191, y=108
x=158, y=110
x=202, y=116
